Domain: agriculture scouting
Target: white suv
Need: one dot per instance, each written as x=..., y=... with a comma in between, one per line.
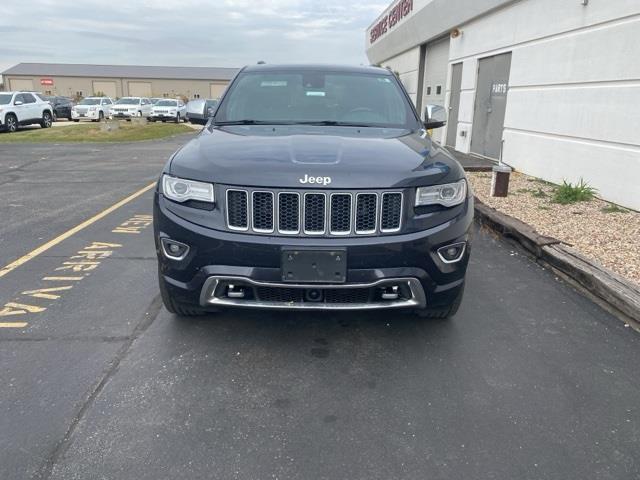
x=23, y=108
x=91, y=108
x=168, y=109
x=128, y=107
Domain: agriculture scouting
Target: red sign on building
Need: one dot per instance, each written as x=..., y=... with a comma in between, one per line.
x=46, y=81
x=396, y=13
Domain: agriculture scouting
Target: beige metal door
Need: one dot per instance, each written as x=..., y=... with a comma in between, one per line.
x=436, y=65
x=454, y=103
x=107, y=88
x=216, y=89
x=139, y=89
x=21, y=84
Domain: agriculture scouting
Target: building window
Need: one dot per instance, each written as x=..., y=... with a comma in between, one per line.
x=429, y=90
x=438, y=89
x=196, y=95
x=79, y=94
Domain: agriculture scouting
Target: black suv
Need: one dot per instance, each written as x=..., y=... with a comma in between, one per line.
x=313, y=187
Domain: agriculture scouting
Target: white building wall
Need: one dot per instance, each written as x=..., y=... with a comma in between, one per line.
x=407, y=66
x=573, y=106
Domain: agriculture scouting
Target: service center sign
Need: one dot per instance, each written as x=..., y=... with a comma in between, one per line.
x=46, y=81
x=397, y=13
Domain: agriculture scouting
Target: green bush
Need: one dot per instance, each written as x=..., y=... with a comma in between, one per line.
x=569, y=193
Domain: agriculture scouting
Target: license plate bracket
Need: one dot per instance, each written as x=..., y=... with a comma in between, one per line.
x=301, y=265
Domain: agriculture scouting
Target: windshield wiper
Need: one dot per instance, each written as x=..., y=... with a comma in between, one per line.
x=334, y=123
x=250, y=122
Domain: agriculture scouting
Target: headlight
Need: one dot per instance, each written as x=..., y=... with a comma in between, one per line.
x=449, y=194
x=180, y=190
x=92, y=108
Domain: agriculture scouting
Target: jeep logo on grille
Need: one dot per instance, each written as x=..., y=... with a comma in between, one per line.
x=319, y=180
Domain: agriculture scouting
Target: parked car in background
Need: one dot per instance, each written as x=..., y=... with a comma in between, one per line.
x=199, y=110
x=61, y=106
x=168, y=109
x=128, y=107
x=95, y=109
x=23, y=108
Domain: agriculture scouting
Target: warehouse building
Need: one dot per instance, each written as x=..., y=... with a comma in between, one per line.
x=76, y=80
x=553, y=87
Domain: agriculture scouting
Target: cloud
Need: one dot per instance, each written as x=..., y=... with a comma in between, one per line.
x=186, y=32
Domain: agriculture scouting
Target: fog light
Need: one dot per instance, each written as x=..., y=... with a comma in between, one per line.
x=174, y=250
x=452, y=253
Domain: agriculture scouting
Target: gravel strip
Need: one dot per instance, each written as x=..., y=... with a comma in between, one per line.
x=611, y=239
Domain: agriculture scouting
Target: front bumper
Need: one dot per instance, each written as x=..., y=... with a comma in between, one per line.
x=116, y=115
x=217, y=259
x=90, y=115
x=162, y=116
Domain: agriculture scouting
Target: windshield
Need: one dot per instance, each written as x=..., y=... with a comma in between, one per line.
x=128, y=101
x=308, y=97
x=90, y=101
x=5, y=99
x=167, y=103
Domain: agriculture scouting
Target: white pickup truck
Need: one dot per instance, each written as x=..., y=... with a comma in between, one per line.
x=168, y=109
x=128, y=107
x=23, y=108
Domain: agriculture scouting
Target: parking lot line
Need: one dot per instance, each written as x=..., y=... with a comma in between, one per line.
x=51, y=243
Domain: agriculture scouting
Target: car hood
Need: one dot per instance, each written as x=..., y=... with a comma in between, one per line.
x=284, y=156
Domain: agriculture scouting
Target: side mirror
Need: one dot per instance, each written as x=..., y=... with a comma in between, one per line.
x=210, y=111
x=18, y=102
x=434, y=117
x=434, y=124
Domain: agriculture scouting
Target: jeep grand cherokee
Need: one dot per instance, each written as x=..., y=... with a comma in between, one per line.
x=313, y=187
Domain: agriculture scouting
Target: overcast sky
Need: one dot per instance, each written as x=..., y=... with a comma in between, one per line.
x=226, y=33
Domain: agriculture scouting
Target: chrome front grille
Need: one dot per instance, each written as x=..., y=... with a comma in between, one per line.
x=313, y=213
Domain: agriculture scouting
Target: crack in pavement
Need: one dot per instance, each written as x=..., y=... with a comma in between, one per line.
x=63, y=445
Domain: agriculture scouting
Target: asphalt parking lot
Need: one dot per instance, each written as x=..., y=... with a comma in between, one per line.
x=530, y=380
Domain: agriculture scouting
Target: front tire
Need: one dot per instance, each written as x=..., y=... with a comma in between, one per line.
x=101, y=116
x=442, y=313
x=11, y=122
x=175, y=307
x=178, y=118
x=47, y=120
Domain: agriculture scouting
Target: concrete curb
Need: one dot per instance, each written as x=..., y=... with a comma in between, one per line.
x=609, y=287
